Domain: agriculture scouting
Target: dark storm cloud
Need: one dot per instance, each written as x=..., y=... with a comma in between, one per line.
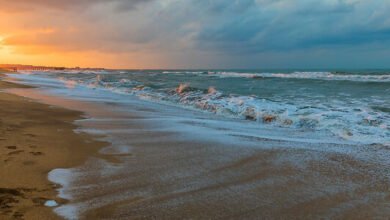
x=286, y=25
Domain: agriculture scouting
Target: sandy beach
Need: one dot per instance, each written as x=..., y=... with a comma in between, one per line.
x=159, y=165
x=34, y=139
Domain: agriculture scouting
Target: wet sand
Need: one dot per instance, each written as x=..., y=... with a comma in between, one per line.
x=34, y=139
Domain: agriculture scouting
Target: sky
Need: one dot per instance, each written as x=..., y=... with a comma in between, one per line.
x=169, y=34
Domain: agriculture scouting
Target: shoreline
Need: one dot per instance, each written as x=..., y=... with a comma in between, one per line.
x=171, y=163
x=32, y=143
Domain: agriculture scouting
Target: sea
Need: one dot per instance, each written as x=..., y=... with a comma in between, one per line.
x=338, y=105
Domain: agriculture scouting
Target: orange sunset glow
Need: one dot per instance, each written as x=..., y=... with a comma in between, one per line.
x=24, y=47
x=57, y=35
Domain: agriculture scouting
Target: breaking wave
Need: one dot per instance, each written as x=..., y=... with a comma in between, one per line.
x=309, y=75
x=357, y=117
x=339, y=76
x=350, y=121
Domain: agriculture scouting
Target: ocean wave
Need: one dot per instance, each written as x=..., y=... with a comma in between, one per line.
x=381, y=77
x=309, y=75
x=354, y=123
x=354, y=120
x=184, y=72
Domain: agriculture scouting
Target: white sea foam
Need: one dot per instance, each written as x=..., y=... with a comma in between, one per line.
x=51, y=203
x=62, y=177
x=183, y=72
x=308, y=75
x=353, y=122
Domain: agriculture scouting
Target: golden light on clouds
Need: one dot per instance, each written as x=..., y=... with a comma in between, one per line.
x=88, y=33
x=4, y=50
x=46, y=38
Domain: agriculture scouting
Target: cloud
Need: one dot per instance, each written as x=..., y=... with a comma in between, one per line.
x=287, y=25
x=25, y=5
x=201, y=31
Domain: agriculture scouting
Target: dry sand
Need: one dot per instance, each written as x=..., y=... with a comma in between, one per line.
x=34, y=139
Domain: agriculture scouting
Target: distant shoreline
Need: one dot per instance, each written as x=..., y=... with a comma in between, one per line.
x=19, y=67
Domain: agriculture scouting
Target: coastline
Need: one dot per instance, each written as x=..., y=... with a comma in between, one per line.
x=35, y=138
x=170, y=163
